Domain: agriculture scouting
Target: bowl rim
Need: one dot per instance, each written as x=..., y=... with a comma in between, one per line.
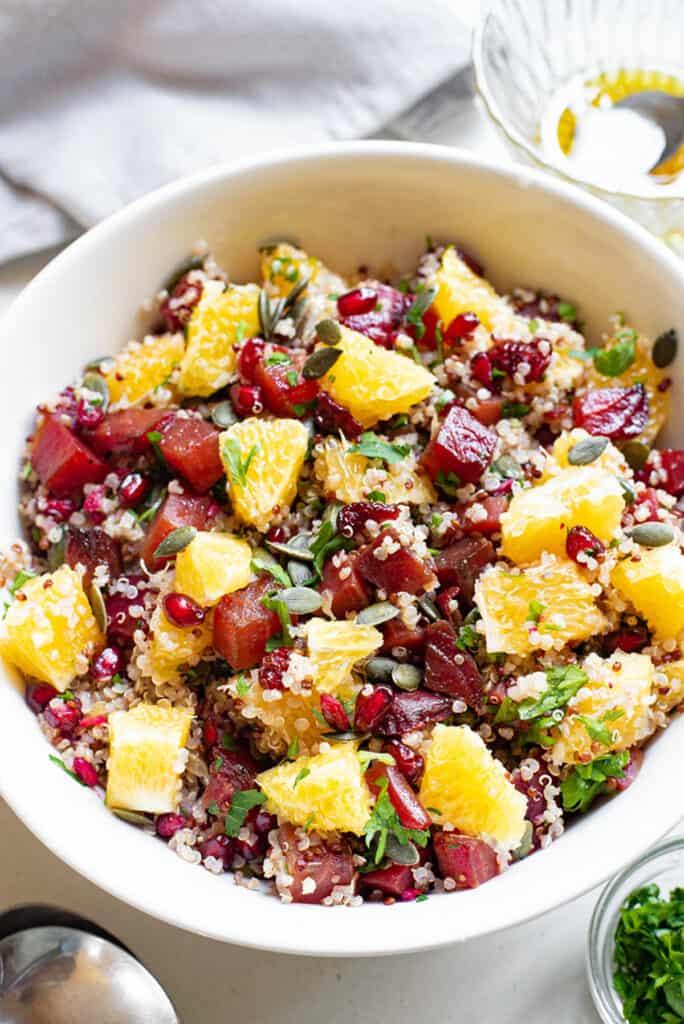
x=533, y=153
x=443, y=930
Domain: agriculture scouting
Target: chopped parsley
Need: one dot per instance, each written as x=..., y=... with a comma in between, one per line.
x=292, y=379
x=468, y=639
x=534, y=325
x=384, y=822
x=22, y=577
x=546, y=710
x=613, y=362
x=419, y=307
x=277, y=605
x=266, y=563
x=514, y=410
x=535, y=610
x=366, y=757
x=587, y=781
x=567, y=312
x=237, y=468
x=597, y=730
x=213, y=808
x=327, y=540
x=60, y=764
x=373, y=447
x=229, y=742
x=26, y=470
x=242, y=686
x=377, y=496
x=241, y=804
x=277, y=357
x=300, y=776
x=293, y=749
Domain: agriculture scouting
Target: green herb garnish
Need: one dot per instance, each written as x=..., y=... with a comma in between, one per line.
x=237, y=468
x=587, y=781
x=613, y=362
x=300, y=776
x=277, y=605
x=384, y=822
x=241, y=804
x=373, y=447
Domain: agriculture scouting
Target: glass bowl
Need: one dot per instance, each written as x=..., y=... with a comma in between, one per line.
x=662, y=864
x=525, y=52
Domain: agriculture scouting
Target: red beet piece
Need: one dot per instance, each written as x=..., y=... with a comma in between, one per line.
x=533, y=791
x=371, y=707
x=616, y=413
x=285, y=391
x=409, y=711
x=357, y=301
x=467, y=860
x=397, y=634
x=400, y=570
x=350, y=594
x=91, y=547
x=488, y=411
x=330, y=417
x=449, y=670
x=230, y=771
x=509, y=356
x=409, y=762
x=581, y=541
x=333, y=711
x=242, y=626
x=327, y=864
x=38, y=696
x=177, y=510
x=353, y=517
x=410, y=810
x=494, y=506
x=62, y=461
x=125, y=432
x=190, y=447
x=177, y=308
x=462, y=446
x=382, y=322
x=461, y=563
x=393, y=880
x=447, y=602
x=273, y=668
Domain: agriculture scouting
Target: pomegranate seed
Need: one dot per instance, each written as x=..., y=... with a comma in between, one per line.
x=261, y=821
x=409, y=894
x=509, y=356
x=64, y=715
x=481, y=368
x=353, y=517
x=182, y=611
x=92, y=506
x=382, y=321
x=627, y=640
x=59, y=509
x=409, y=762
x=277, y=534
x=251, y=353
x=88, y=415
x=334, y=713
x=616, y=413
x=178, y=306
x=210, y=733
x=133, y=489
x=357, y=301
x=248, y=400
x=580, y=540
x=86, y=772
x=106, y=665
x=461, y=327
x=220, y=847
x=39, y=695
x=273, y=668
x=90, y=723
x=330, y=418
x=371, y=707
x=167, y=825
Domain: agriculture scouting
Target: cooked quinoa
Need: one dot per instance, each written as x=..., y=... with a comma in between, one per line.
x=353, y=589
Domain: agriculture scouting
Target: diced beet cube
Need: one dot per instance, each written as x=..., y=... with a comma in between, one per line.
x=409, y=711
x=488, y=518
x=617, y=413
x=533, y=791
x=90, y=548
x=121, y=622
x=449, y=670
x=177, y=510
x=382, y=322
x=190, y=447
x=462, y=562
x=409, y=762
x=62, y=461
x=410, y=810
x=462, y=445
x=230, y=771
x=488, y=411
x=125, y=432
x=326, y=864
x=371, y=707
x=243, y=627
x=352, y=518
x=467, y=860
x=401, y=570
x=397, y=634
x=348, y=594
x=285, y=391
x=393, y=880
x=330, y=417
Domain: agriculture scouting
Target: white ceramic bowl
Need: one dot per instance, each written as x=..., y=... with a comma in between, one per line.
x=356, y=203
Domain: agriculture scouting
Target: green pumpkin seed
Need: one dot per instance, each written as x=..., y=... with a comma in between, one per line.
x=194, y=263
x=665, y=348
x=299, y=573
x=375, y=614
x=628, y=491
x=290, y=549
x=636, y=454
x=346, y=737
x=328, y=332
x=98, y=606
x=407, y=677
x=586, y=451
x=56, y=552
x=429, y=609
x=224, y=415
x=96, y=364
x=132, y=817
x=319, y=362
x=300, y=600
x=294, y=294
x=380, y=669
x=402, y=853
x=96, y=383
x=652, y=535
x=526, y=843
x=507, y=467
x=175, y=541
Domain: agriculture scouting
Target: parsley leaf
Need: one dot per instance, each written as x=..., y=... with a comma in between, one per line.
x=543, y=712
x=327, y=540
x=514, y=410
x=535, y=611
x=613, y=362
x=567, y=312
x=22, y=577
x=262, y=561
x=468, y=639
x=277, y=605
x=587, y=781
x=597, y=730
x=419, y=307
x=236, y=467
x=384, y=822
x=300, y=776
x=373, y=447
x=241, y=804
x=242, y=686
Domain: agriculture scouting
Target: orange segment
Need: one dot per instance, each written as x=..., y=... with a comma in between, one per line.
x=220, y=318
x=334, y=649
x=142, y=367
x=345, y=476
x=146, y=757
x=213, y=564
x=462, y=291
x=652, y=579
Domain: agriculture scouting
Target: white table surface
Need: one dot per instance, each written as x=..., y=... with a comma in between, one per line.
x=533, y=973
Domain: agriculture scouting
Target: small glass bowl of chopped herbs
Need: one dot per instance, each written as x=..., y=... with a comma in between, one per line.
x=635, y=955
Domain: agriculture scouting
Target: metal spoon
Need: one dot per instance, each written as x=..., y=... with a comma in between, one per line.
x=56, y=968
x=663, y=110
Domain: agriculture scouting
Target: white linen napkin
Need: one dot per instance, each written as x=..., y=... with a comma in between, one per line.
x=101, y=102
